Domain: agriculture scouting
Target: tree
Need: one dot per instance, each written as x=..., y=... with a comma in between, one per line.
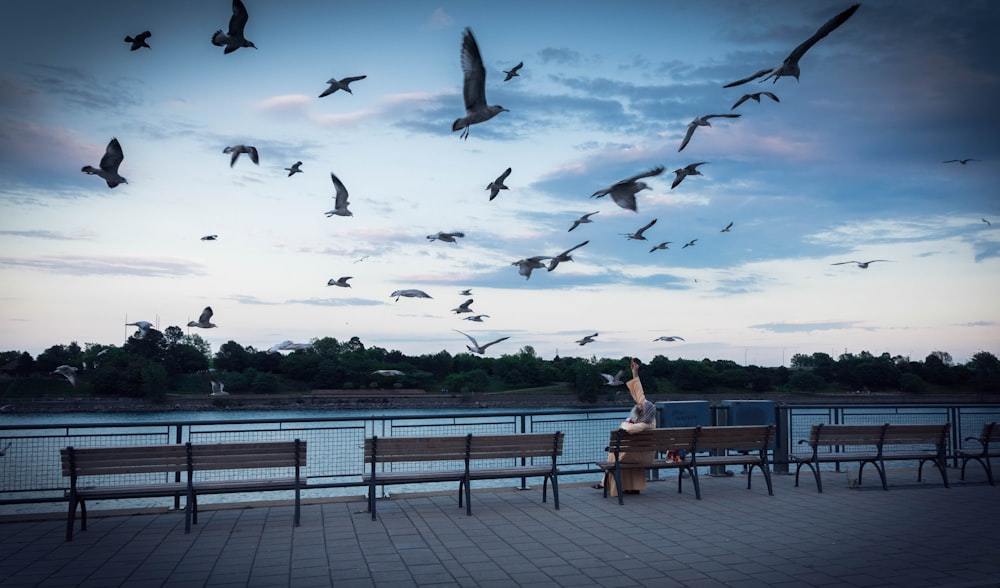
x=232, y=357
x=985, y=368
x=58, y=355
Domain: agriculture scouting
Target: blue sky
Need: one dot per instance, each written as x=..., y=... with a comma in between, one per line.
x=848, y=166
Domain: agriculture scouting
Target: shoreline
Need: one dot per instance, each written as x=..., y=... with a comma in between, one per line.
x=418, y=399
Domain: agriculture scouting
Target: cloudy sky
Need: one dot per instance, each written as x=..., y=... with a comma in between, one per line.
x=848, y=166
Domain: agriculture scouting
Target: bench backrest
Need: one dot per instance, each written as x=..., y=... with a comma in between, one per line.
x=527, y=445
x=136, y=459
x=936, y=435
x=658, y=440
x=393, y=449
x=990, y=434
x=251, y=455
x=746, y=437
x=826, y=435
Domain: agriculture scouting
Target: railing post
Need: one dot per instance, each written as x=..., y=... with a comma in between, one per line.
x=178, y=439
x=782, y=440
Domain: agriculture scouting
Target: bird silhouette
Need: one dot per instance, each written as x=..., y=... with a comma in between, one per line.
x=205, y=320
x=496, y=185
x=237, y=150
x=113, y=157
x=583, y=219
x=512, y=72
x=139, y=40
x=689, y=170
x=638, y=235
x=701, y=121
x=755, y=97
x=294, y=169
x=790, y=65
x=340, y=202
x=234, y=38
x=860, y=264
x=476, y=347
x=623, y=192
x=341, y=84
x=473, y=88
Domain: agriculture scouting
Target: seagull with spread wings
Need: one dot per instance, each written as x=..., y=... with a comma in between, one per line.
x=701, y=121
x=525, y=266
x=512, y=72
x=615, y=380
x=688, y=170
x=236, y=150
x=139, y=41
x=341, y=281
x=474, y=88
x=341, y=84
x=143, y=326
x=565, y=256
x=860, y=264
x=112, y=158
x=205, y=320
x=66, y=371
x=463, y=307
x=586, y=339
x=623, y=192
x=409, y=293
x=670, y=338
x=727, y=229
x=234, y=38
x=496, y=185
x=663, y=245
x=295, y=169
x=790, y=66
x=476, y=347
x=446, y=237
x=638, y=235
x=962, y=161
x=340, y=202
x=755, y=97
x=583, y=219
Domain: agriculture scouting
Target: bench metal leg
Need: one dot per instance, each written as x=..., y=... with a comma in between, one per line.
x=697, y=484
x=71, y=516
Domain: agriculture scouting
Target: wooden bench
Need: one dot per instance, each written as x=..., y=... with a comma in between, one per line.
x=877, y=444
x=990, y=434
x=751, y=444
x=451, y=459
x=178, y=464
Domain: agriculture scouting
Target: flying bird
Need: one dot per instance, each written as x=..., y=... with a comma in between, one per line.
x=524, y=266
x=688, y=170
x=512, y=72
x=586, y=339
x=496, y=185
x=860, y=264
x=446, y=237
x=583, y=219
x=478, y=318
x=728, y=227
x=294, y=169
x=205, y=320
x=474, y=88
x=638, y=235
x=702, y=121
x=623, y=193
x=288, y=345
x=962, y=161
x=410, y=293
x=139, y=40
x=689, y=244
x=218, y=388
x=790, y=66
x=66, y=371
x=236, y=150
x=466, y=292
x=476, y=347
x=755, y=97
x=669, y=338
x=615, y=380
x=988, y=224
x=388, y=373
x=464, y=307
x=341, y=84
x=342, y=282
x=234, y=39
x=210, y=238
x=143, y=326
x=661, y=246
x=113, y=157
x=565, y=256
x=340, y=202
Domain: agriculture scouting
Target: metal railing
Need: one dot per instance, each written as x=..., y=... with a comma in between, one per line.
x=30, y=470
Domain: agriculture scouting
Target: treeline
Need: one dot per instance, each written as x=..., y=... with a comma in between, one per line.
x=158, y=363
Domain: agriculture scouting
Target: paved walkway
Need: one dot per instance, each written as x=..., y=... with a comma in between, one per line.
x=914, y=535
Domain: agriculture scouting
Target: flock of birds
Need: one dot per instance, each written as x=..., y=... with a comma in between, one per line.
x=478, y=111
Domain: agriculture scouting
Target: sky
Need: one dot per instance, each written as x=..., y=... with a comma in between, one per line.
x=848, y=166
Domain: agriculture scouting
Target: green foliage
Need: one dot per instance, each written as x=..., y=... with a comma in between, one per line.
x=912, y=384
x=806, y=381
